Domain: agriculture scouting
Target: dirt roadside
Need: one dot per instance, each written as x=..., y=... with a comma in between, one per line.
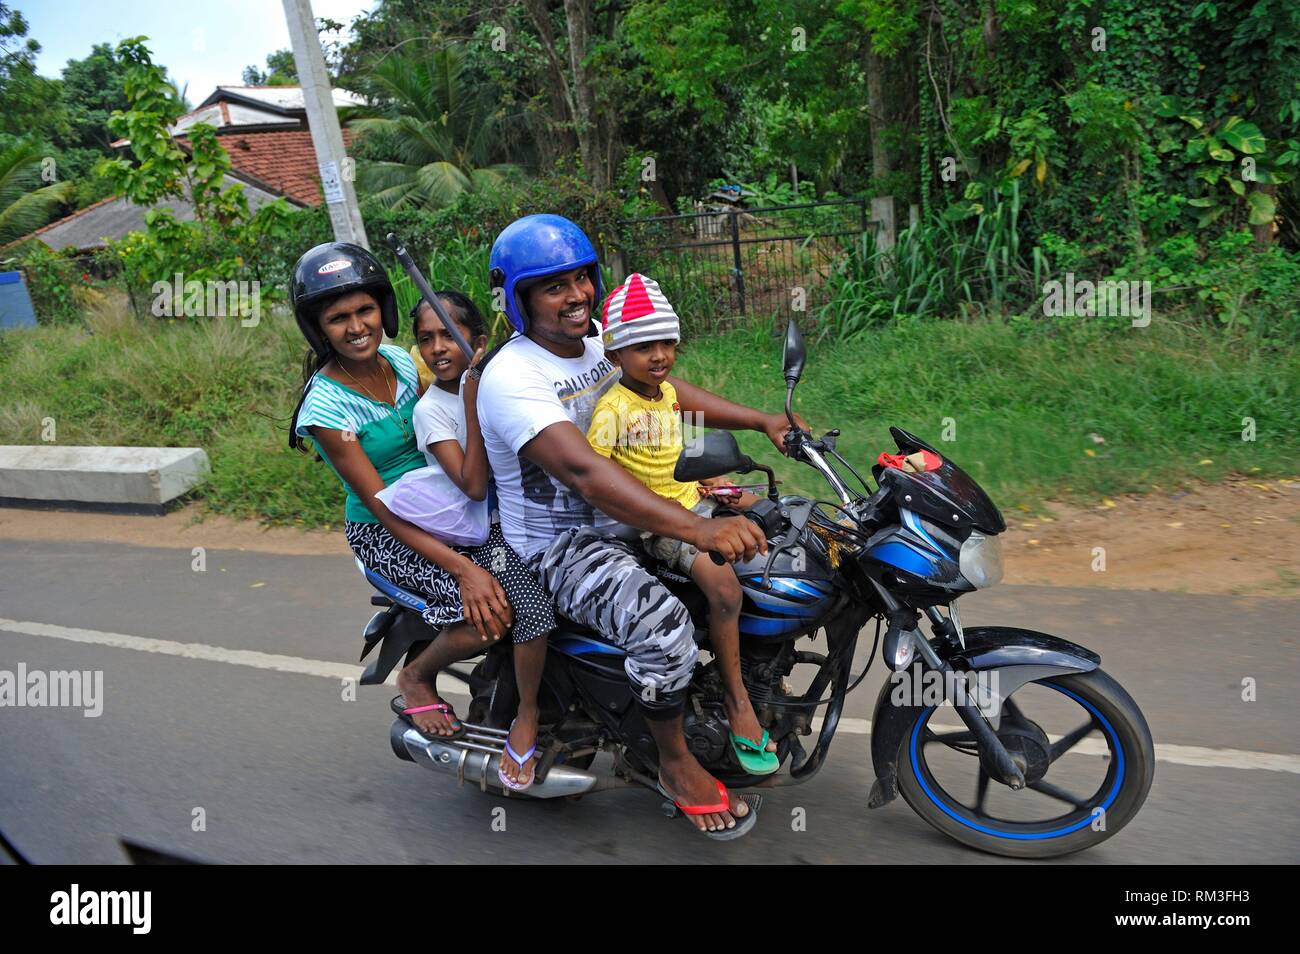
x=1239, y=537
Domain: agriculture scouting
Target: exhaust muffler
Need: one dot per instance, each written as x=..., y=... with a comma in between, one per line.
x=475, y=757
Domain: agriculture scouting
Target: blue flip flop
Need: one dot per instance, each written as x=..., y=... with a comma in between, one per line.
x=519, y=760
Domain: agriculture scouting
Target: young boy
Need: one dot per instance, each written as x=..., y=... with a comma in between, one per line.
x=637, y=424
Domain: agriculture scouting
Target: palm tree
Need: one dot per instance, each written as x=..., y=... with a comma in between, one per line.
x=25, y=204
x=440, y=133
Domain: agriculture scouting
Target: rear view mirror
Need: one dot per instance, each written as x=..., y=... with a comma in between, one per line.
x=717, y=454
x=792, y=357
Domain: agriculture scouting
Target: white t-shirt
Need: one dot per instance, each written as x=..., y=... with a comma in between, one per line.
x=439, y=416
x=427, y=497
x=524, y=390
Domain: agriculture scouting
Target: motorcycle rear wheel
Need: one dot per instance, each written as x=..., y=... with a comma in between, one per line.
x=1113, y=716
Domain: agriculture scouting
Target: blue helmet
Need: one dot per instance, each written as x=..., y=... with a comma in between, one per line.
x=531, y=248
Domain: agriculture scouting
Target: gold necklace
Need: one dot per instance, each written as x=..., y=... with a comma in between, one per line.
x=370, y=394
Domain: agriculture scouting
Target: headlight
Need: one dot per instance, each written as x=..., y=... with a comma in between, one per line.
x=980, y=560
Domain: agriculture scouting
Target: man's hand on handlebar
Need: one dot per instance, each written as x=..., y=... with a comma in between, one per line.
x=734, y=538
x=775, y=426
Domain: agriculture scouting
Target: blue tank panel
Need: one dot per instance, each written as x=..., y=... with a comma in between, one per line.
x=787, y=607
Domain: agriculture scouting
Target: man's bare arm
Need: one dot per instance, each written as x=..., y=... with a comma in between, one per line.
x=563, y=452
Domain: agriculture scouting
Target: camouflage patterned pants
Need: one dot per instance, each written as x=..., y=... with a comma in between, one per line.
x=597, y=581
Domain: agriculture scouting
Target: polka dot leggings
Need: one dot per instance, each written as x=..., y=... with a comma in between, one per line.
x=390, y=558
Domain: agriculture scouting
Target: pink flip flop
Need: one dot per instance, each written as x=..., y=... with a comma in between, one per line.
x=398, y=705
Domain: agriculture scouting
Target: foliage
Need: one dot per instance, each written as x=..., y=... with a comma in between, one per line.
x=1237, y=284
x=26, y=204
x=93, y=88
x=230, y=390
x=226, y=241
x=436, y=132
x=1229, y=152
x=943, y=267
x=29, y=103
x=57, y=285
x=281, y=70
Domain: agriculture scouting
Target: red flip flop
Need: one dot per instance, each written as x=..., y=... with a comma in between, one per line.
x=743, y=825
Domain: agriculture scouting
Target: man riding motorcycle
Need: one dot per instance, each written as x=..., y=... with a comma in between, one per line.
x=556, y=494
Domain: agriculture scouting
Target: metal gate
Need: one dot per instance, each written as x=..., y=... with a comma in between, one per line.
x=719, y=267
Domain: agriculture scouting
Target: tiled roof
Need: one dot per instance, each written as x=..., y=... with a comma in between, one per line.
x=284, y=161
x=278, y=97
x=114, y=217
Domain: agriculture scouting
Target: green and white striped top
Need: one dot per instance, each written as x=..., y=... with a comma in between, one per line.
x=339, y=407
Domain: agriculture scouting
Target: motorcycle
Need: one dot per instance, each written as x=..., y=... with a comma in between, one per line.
x=1058, y=756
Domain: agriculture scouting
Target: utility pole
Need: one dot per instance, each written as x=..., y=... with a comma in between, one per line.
x=323, y=121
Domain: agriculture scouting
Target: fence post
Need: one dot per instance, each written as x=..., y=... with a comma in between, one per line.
x=882, y=213
x=618, y=266
x=735, y=258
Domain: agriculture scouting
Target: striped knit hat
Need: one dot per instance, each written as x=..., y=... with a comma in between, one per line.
x=637, y=311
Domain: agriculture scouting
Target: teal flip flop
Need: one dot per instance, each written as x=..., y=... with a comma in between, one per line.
x=753, y=756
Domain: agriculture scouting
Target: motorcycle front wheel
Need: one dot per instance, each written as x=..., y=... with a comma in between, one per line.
x=1083, y=746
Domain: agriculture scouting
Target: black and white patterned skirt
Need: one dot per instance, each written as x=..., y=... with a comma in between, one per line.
x=396, y=562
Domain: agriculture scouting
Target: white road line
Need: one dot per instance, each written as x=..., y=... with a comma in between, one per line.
x=236, y=657
x=1197, y=755
x=1194, y=755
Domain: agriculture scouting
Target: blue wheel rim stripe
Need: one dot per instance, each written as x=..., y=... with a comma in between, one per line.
x=1117, y=748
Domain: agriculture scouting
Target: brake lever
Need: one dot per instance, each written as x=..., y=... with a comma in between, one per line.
x=795, y=438
x=798, y=517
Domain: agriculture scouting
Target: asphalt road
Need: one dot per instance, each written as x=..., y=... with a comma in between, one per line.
x=285, y=770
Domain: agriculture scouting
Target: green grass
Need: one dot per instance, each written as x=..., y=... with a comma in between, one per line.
x=1024, y=400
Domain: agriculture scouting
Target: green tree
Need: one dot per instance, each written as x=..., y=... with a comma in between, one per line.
x=281, y=70
x=25, y=203
x=437, y=132
x=29, y=104
x=163, y=169
x=93, y=88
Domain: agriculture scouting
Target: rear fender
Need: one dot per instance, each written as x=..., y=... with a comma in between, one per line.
x=405, y=630
x=1019, y=655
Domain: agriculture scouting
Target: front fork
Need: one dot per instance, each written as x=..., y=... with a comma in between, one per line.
x=903, y=639
x=996, y=759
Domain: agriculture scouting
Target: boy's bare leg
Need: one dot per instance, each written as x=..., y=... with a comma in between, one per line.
x=530, y=660
x=417, y=680
x=720, y=585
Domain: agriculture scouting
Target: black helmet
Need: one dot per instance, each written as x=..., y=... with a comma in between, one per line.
x=334, y=269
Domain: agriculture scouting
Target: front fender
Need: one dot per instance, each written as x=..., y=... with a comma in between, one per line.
x=1022, y=655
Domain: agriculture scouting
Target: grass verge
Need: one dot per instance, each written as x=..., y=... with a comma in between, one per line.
x=1024, y=405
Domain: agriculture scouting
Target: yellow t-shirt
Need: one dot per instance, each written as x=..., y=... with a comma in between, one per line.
x=643, y=437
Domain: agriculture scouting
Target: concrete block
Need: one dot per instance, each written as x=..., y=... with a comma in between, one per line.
x=121, y=479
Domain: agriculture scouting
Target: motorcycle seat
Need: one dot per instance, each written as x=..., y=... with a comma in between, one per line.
x=390, y=589
x=575, y=639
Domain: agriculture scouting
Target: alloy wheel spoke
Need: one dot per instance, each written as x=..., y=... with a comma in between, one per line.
x=1070, y=740
x=981, y=790
x=953, y=738
x=1044, y=787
